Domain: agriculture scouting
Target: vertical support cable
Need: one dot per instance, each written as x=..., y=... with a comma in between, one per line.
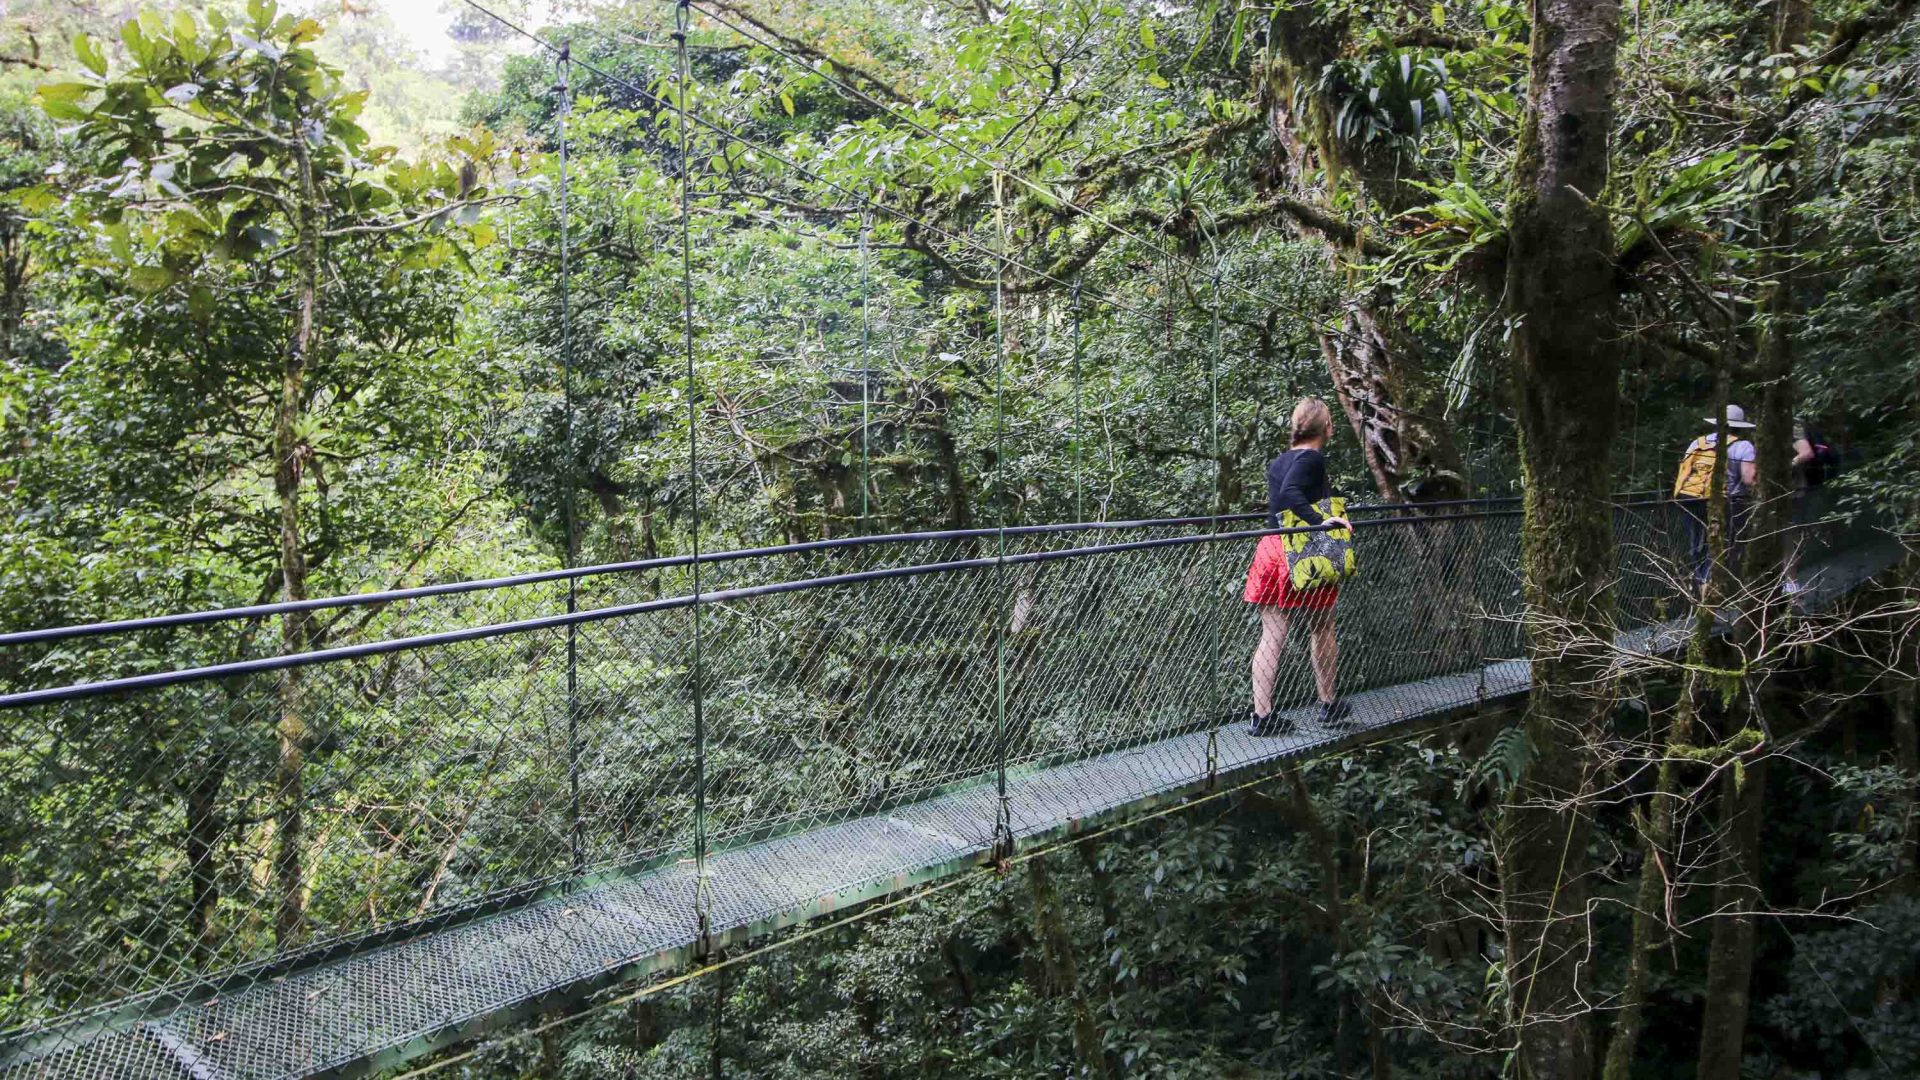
x=1079, y=508
x=1213, y=404
x=1003, y=818
x=569, y=461
x=703, y=901
x=1214, y=709
x=866, y=367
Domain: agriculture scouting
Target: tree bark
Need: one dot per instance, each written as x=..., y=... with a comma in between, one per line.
x=1560, y=293
x=1649, y=905
x=204, y=825
x=1906, y=745
x=289, y=453
x=1102, y=882
x=716, y=1061
x=1376, y=381
x=1062, y=971
x=947, y=449
x=1737, y=900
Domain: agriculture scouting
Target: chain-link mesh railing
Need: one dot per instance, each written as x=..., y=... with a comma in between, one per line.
x=282, y=864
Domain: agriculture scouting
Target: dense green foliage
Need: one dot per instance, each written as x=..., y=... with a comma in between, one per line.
x=949, y=264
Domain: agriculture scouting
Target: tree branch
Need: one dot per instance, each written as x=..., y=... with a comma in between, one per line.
x=840, y=67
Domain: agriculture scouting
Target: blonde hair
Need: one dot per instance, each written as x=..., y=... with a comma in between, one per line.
x=1311, y=420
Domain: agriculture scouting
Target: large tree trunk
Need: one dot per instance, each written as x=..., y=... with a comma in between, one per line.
x=1705, y=651
x=1737, y=898
x=204, y=825
x=15, y=260
x=288, y=463
x=1649, y=905
x=1379, y=388
x=1736, y=903
x=1379, y=383
x=1560, y=294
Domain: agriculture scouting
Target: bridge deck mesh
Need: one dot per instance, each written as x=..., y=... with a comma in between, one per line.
x=1155, y=739
x=335, y=1014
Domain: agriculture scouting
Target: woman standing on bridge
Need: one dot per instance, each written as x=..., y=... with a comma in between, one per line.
x=1296, y=480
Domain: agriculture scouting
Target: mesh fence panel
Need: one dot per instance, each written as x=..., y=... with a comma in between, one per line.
x=388, y=844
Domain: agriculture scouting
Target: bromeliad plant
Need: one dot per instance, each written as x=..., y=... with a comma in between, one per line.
x=1388, y=99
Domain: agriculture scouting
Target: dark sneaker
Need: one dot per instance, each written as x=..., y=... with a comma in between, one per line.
x=1274, y=724
x=1336, y=712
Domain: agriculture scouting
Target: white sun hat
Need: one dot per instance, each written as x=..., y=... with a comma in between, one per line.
x=1736, y=417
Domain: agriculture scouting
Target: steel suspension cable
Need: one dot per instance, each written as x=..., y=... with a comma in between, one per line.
x=1001, y=258
x=1317, y=323
x=1003, y=824
x=1219, y=507
x=703, y=894
x=569, y=461
x=904, y=217
x=866, y=370
x=1079, y=508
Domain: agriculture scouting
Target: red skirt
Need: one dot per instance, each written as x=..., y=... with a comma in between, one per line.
x=1269, y=583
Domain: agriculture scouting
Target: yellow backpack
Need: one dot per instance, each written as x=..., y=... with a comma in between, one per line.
x=1695, y=480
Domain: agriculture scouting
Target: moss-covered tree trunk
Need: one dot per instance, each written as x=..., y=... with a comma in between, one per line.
x=1737, y=898
x=1560, y=294
x=1737, y=901
x=1379, y=381
x=1656, y=824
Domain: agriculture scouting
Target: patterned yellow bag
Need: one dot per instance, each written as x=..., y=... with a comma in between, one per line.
x=1325, y=557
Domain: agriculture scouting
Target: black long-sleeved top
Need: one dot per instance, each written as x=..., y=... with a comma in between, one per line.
x=1295, y=481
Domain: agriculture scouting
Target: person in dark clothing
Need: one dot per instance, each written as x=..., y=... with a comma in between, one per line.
x=1296, y=480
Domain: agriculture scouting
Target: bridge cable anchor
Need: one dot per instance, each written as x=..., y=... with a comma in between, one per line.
x=703, y=917
x=1003, y=847
x=1213, y=758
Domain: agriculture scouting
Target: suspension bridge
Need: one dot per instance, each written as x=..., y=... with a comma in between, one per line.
x=475, y=802
x=516, y=793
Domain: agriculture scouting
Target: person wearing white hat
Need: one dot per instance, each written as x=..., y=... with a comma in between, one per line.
x=1691, y=486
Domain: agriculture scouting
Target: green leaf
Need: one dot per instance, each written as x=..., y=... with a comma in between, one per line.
x=1439, y=15
x=786, y=102
x=1146, y=34
x=37, y=199
x=483, y=234
x=149, y=279
x=1157, y=81
x=135, y=41
x=200, y=302
x=63, y=91
x=88, y=51
x=62, y=100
